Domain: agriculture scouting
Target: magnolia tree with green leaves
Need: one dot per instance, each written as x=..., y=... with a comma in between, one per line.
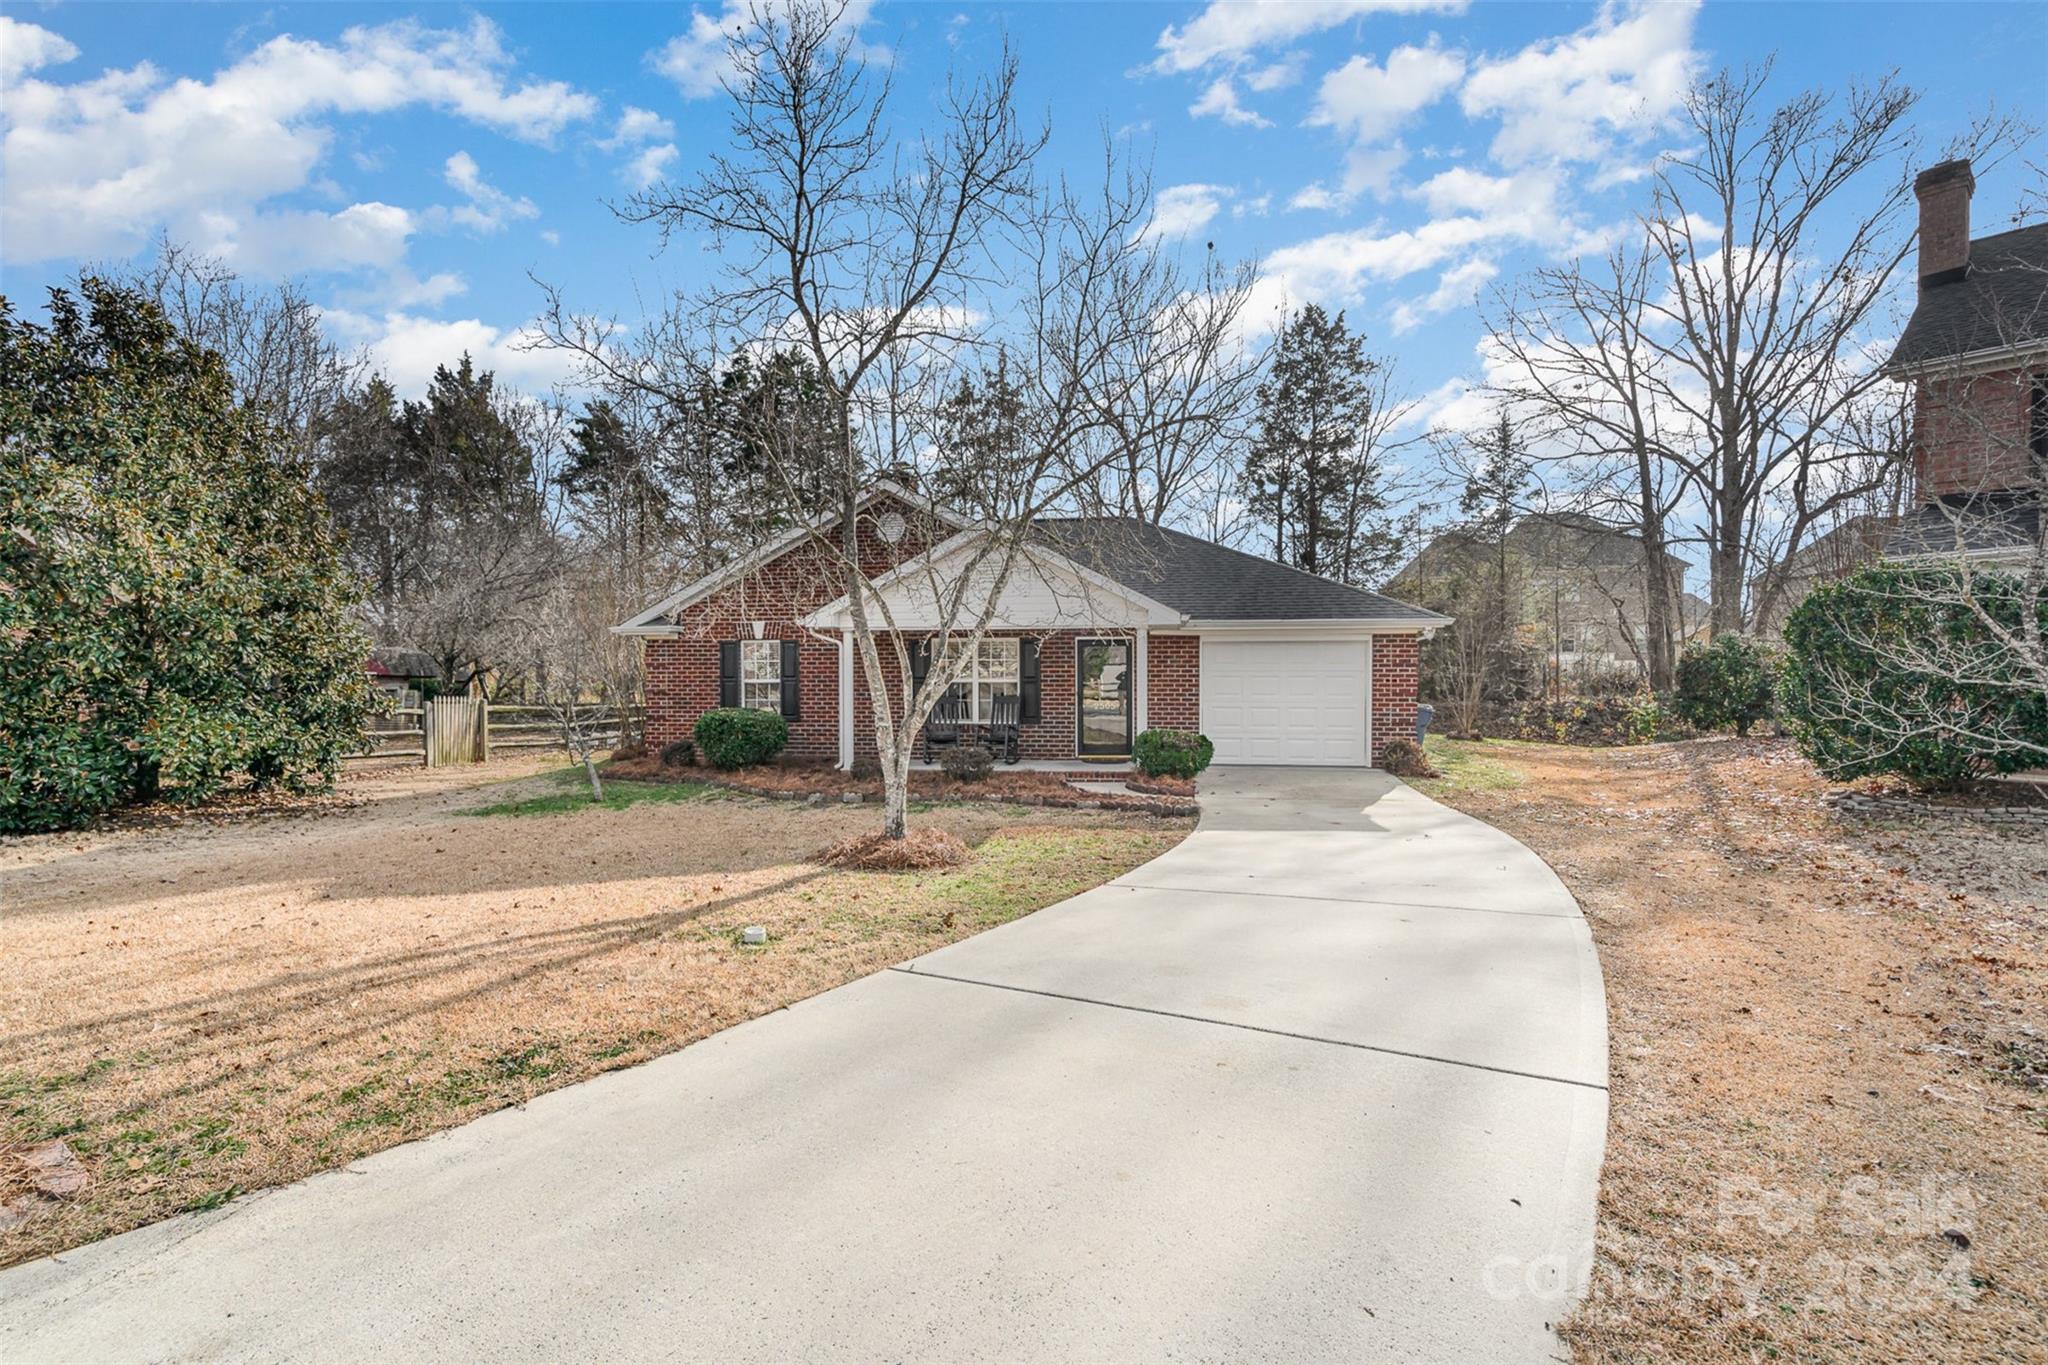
x=173, y=611
x=1930, y=671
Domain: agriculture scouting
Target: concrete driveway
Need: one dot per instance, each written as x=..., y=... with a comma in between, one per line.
x=1326, y=1082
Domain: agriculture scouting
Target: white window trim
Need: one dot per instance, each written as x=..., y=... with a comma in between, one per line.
x=972, y=679
x=774, y=652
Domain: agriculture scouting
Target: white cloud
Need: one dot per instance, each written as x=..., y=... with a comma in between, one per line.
x=25, y=48
x=96, y=167
x=1253, y=208
x=1620, y=78
x=551, y=237
x=1180, y=209
x=649, y=166
x=368, y=236
x=1316, y=195
x=1220, y=101
x=1369, y=102
x=1475, y=212
x=489, y=208
x=406, y=291
x=1277, y=76
x=699, y=60
x=405, y=348
x=1230, y=30
x=637, y=125
x=1455, y=288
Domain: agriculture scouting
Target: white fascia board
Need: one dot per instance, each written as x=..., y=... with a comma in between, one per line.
x=837, y=615
x=765, y=554
x=1989, y=359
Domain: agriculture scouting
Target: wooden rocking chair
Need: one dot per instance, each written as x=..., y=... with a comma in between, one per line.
x=942, y=727
x=1002, y=736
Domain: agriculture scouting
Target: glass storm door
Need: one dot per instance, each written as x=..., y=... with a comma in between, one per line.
x=1102, y=675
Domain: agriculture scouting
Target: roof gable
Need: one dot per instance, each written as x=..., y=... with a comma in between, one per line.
x=663, y=616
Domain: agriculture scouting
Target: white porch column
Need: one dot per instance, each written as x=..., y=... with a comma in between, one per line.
x=1140, y=694
x=846, y=699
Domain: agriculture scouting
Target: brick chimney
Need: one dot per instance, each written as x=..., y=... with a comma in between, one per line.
x=1944, y=195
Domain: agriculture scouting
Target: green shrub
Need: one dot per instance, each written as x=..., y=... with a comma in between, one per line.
x=174, y=611
x=739, y=737
x=1892, y=671
x=967, y=762
x=1172, y=753
x=1728, y=682
x=679, y=753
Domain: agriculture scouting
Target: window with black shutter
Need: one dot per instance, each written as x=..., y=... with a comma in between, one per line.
x=791, y=692
x=1027, y=682
x=729, y=673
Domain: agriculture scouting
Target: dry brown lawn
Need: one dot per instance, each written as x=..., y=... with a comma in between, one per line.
x=1829, y=1137
x=200, y=1008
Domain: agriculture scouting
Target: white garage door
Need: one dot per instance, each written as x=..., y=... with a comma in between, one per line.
x=1285, y=701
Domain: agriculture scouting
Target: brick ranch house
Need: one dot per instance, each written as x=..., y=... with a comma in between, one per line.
x=1976, y=354
x=1105, y=628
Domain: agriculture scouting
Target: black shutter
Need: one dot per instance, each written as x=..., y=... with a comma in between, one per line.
x=1027, y=681
x=920, y=664
x=789, y=680
x=728, y=672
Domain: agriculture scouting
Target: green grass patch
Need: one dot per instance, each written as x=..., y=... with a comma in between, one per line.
x=618, y=795
x=1469, y=765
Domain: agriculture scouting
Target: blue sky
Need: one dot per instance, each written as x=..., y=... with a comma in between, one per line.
x=412, y=164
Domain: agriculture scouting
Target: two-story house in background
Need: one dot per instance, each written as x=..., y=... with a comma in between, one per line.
x=1976, y=353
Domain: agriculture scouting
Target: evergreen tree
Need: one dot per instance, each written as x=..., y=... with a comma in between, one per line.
x=1309, y=476
x=173, y=610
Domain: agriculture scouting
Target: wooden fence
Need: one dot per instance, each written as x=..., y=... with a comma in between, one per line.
x=450, y=730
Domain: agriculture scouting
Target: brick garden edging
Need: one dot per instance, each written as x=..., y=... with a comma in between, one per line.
x=1163, y=804
x=1863, y=803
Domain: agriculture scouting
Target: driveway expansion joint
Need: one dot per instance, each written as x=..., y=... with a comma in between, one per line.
x=909, y=969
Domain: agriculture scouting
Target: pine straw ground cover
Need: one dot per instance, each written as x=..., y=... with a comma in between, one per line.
x=205, y=1010
x=1024, y=786
x=1828, y=1137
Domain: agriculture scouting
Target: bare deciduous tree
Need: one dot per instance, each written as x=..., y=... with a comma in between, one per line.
x=893, y=275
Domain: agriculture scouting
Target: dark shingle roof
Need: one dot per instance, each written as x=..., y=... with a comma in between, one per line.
x=1212, y=582
x=1987, y=523
x=2002, y=301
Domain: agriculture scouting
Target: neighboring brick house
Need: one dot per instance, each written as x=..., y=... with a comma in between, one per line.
x=1105, y=628
x=1976, y=353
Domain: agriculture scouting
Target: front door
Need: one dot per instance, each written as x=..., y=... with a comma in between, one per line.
x=1102, y=676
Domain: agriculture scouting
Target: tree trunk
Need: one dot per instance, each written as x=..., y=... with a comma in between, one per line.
x=596, y=787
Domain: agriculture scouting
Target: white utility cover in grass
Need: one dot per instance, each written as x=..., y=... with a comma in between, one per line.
x=1285, y=701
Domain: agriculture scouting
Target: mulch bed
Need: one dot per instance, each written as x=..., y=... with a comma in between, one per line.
x=797, y=782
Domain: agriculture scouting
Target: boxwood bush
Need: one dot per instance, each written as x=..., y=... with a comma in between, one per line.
x=1728, y=683
x=1892, y=671
x=1172, y=753
x=737, y=737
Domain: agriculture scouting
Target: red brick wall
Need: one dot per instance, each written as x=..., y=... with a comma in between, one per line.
x=1173, y=678
x=1395, y=681
x=1970, y=433
x=682, y=671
